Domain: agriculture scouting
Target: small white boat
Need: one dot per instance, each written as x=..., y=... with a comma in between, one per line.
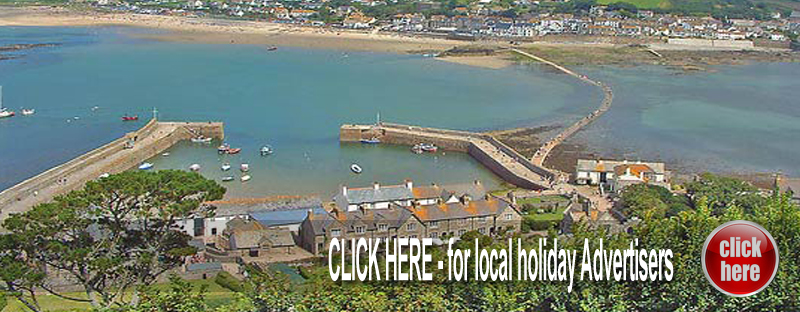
x=94, y=108
x=104, y=175
x=4, y=112
x=245, y=178
x=226, y=167
x=227, y=179
x=28, y=112
x=146, y=166
x=201, y=139
x=356, y=168
x=165, y=154
x=194, y=167
x=244, y=167
x=266, y=150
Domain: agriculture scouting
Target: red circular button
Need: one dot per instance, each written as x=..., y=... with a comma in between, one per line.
x=740, y=258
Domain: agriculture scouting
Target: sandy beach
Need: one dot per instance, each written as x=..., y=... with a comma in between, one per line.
x=206, y=30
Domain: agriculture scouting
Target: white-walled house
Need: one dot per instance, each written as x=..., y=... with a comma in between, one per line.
x=615, y=174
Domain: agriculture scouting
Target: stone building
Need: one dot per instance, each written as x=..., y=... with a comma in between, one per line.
x=250, y=239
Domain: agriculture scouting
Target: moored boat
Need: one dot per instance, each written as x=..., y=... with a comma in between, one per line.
x=194, y=167
x=201, y=139
x=373, y=140
x=145, y=166
x=28, y=112
x=233, y=150
x=356, y=168
x=3, y=111
x=227, y=179
x=417, y=149
x=266, y=150
x=223, y=148
x=430, y=148
x=165, y=154
x=244, y=167
x=245, y=178
x=130, y=118
x=226, y=167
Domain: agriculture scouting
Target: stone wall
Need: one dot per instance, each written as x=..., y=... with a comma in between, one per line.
x=68, y=169
x=453, y=140
x=500, y=170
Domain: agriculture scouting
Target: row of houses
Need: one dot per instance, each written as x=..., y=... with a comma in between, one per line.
x=298, y=227
x=542, y=25
x=484, y=19
x=294, y=226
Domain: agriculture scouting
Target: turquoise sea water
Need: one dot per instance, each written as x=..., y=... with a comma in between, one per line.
x=742, y=118
x=732, y=119
x=293, y=99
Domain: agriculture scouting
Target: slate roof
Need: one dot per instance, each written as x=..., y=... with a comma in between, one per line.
x=204, y=266
x=347, y=221
x=459, y=210
x=382, y=194
x=246, y=234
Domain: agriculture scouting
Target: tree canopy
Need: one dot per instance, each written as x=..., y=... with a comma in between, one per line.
x=115, y=233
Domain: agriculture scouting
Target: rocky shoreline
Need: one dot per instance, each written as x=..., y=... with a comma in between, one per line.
x=20, y=47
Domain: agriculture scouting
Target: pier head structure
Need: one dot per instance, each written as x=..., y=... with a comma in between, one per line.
x=501, y=159
x=119, y=155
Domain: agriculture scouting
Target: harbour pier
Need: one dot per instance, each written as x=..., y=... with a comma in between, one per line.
x=498, y=157
x=119, y=155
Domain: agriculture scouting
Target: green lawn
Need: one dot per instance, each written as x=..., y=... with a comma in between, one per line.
x=642, y=4
x=215, y=296
x=556, y=215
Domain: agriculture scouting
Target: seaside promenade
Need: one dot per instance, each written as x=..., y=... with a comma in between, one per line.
x=122, y=154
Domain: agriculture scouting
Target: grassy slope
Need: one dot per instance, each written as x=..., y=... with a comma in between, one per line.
x=215, y=296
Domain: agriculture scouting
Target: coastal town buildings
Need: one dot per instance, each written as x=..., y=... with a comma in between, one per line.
x=488, y=20
x=614, y=175
x=248, y=238
x=408, y=211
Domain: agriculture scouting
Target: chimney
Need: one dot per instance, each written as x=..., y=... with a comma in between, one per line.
x=310, y=214
x=511, y=198
x=465, y=199
x=344, y=190
x=409, y=184
x=376, y=186
x=628, y=171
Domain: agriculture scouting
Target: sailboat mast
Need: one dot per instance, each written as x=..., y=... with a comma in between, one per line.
x=1, y=97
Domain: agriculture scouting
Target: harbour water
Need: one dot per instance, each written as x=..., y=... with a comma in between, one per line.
x=738, y=118
x=293, y=99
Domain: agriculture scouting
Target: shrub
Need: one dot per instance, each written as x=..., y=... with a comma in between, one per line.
x=226, y=280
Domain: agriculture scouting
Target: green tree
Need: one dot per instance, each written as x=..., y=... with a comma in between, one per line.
x=724, y=192
x=115, y=233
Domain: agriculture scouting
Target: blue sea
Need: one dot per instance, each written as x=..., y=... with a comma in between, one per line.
x=292, y=99
x=738, y=118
